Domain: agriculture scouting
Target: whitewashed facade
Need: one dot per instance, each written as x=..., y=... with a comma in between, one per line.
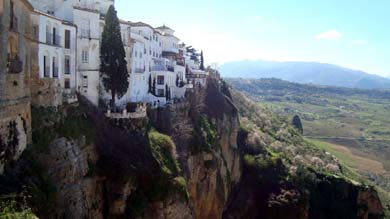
x=56, y=50
x=86, y=15
x=152, y=54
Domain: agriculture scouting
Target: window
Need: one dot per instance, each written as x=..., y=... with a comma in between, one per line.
x=160, y=79
x=67, y=83
x=67, y=39
x=55, y=36
x=67, y=65
x=85, y=81
x=160, y=92
x=84, y=56
x=55, y=67
x=85, y=29
x=46, y=70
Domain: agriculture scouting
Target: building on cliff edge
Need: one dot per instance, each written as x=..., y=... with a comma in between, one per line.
x=18, y=62
x=52, y=50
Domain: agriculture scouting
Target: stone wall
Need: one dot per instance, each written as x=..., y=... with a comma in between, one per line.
x=15, y=109
x=45, y=92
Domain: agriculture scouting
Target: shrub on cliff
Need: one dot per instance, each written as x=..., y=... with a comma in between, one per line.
x=10, y=210
x=204, y=135
x=164, y=150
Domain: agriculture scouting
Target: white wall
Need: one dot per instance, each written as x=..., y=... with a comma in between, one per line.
x=59, y=52
x=88, y=22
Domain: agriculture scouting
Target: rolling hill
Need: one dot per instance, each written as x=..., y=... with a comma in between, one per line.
x=305, y=72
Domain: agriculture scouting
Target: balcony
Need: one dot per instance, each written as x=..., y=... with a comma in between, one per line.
x=87, y=7
x=15, y=65
x=139, y=70
x=53, y=39
x=163, y=65
x=170, y=52
x=163, y=68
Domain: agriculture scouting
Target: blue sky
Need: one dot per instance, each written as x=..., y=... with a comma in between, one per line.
x=351, y=33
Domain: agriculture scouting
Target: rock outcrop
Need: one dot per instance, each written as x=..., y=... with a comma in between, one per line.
x=190, y=160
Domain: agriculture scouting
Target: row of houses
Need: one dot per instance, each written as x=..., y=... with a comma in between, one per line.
x=50, y=49
x=69, y=35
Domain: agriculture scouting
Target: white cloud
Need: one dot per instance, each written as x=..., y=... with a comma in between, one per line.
x=359, y=42
x=329, y=35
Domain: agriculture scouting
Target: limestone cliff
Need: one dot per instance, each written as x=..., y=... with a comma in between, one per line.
x=205, y=132
x=214, y=155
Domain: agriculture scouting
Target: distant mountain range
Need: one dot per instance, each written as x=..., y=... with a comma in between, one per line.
x=304, y=72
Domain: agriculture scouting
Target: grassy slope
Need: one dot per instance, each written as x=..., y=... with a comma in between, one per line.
x=353, y=125
x=358, y=119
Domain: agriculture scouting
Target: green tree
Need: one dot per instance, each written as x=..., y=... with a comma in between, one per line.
x=201, y=61
x=113, y=65
x=296, y=122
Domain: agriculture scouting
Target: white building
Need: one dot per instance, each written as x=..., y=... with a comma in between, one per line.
x=56, y=51
x=152, y=54
x=87, y=16
x=169, y=70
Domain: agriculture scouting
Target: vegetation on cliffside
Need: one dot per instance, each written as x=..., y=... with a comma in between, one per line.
x=290, y=174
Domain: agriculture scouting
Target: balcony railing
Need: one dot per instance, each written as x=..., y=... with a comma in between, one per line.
x=53, y=39
x=139, y=70
x=85, y=33
x=87, y=6
x=46, y=72
x=163, y=68
x=14, y=65
x=55, y=72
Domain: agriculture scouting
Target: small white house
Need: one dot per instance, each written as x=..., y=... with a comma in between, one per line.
x=57, y=50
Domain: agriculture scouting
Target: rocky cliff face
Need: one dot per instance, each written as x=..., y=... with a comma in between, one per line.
x=205, y=132
x=190, y=160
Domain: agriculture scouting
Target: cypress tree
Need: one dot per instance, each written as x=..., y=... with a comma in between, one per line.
x=296, y=122
x=201, y=61
x=113, y=65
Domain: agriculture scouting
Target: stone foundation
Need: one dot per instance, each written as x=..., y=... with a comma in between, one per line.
x=15, y=131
